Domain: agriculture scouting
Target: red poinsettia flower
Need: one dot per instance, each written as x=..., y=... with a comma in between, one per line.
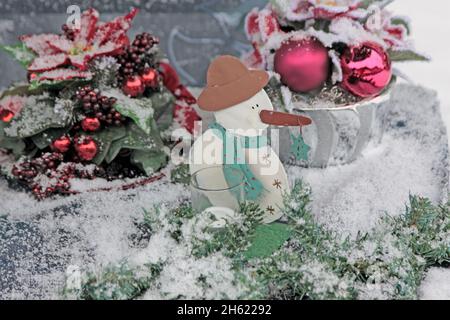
x=91, y=40
x=300, y=10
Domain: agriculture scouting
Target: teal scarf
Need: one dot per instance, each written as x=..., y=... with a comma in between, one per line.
x=234, y=159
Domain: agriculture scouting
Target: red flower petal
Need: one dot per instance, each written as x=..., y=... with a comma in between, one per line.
x=321, y=13
x=109, y=48
x=251, y=24
x=268, y=24
x=48, y=62
x=170, y=77
x=64, y=74
x=186, y=116
x=40, y=43
x=80, y=61
x=88, y=24
x=182, y=93
x=115, y=29
x=254, y=59
x=61, y=44
x=398, y=32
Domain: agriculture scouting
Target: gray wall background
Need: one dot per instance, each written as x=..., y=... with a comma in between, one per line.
x=192, y=32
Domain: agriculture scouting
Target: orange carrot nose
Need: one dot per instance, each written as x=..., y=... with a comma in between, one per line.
x=283, y=119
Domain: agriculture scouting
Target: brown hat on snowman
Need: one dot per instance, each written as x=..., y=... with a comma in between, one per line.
x=230, y=83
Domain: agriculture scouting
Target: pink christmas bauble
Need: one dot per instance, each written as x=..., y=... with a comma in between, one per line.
x=366, y=69
x=303, y=65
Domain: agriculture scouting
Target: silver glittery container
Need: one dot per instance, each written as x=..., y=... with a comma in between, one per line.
x=338, y=134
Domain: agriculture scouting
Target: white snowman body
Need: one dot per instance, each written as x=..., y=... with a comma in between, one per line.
x=207, y=152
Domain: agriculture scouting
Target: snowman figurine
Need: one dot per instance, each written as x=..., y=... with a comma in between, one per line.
x=237, y=140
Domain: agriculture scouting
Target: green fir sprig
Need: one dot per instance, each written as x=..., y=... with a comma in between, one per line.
x=387, y=263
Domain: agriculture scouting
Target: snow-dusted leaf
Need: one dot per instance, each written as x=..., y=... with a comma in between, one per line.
x=59, y=79
x=16, y=90
x=149, y=161
x=407, y=55
x=48, y=85
x=163, y=105
x=161, y=102
x=20, y=53
x=401, y=21
x=39, y=114
x=16, y=145
x=139, y=110
x=104, y=139
x=137, y=139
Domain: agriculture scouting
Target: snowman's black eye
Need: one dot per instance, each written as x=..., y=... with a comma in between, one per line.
x=257, y=105
x=253, y=108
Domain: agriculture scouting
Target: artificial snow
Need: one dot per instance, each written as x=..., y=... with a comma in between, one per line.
x=43, y=242
x=436, y=285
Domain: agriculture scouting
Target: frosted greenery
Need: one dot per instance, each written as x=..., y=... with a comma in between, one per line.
x=387, y=263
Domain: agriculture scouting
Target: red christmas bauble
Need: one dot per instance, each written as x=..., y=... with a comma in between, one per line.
x=149, y=77
x=303, y=65
x=61, y=144
x=6, y=115
x=90, y=124
x=366, y=69
x=32, y=76
x=133, y=87
x=86, y=149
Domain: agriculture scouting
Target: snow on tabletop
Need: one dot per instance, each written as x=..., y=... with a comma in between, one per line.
x=41, y=240
x=87, y=230
x=436, y=285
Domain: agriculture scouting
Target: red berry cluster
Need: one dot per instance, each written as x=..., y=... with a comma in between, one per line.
x=98, y=109
x=134, y=59
x=28, y=171
x=57, y=174
x=68, y=32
